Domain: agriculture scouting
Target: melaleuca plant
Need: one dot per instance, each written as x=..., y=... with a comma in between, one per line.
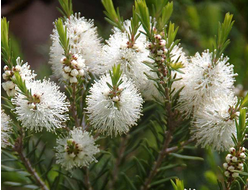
x=129, y=112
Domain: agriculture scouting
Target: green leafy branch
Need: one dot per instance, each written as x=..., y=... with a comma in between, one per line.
x=178, y=184
x=63, y=37
x=166, y=13
x=7, y=54
x=66, y=10
x=115, y=77
x=143, y=14
x=221, y=40
x=113, y=17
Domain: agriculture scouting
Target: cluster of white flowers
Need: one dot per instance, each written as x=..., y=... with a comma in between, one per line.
x=83, y=41
x=47, y=108
x=24, y=71
x=213, y=123
x=205, y=80
x=76, y=150
x=73, y=68
x=208, y=96
x=113, y=112
x=118, y=50
x=234, y=161
x=5, y=129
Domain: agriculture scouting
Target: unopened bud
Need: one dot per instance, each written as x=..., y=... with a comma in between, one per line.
x=231, y=150
x=227, y=174
x=81, y=72
x=5, y=68
x=234, y=175
x=225, y=165
x=242, y=155
x=234, y=159
x=63, y=59
x=67, y=69
x=73, y=80
x=74, y=72
x=18, y=68
x=115, y=99
x=74, y=63
x=230, y=168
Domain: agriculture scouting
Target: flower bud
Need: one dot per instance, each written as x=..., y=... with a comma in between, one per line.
x=73, y=80
x=5, y=68
x=115, y=99
x=5, y=77
x=65, y=75
x=63, y=60
x=242, y=155
x=81, y=72
x=225, y=165
x=242, y=149
x=240, y=166
x=8, y=72
x=67, y=69
x=74, y=63
x=158, y=37
x=74, y=73
x=228, y=158
x=230, y=168
x=234, y=175
x=231, y=150
x=234, y=159
x=162, y=43
x=227, y=174
x=159, y=52
x=18, y=68
x=31, y=105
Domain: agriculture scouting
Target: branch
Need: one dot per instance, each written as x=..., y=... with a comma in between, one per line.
x=118, y=160
x=19, y=149
x=175, y=148
x=73, y=105
x=87, y=181
x=157, y=164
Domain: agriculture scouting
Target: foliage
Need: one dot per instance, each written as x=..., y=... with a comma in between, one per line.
x=153, y=155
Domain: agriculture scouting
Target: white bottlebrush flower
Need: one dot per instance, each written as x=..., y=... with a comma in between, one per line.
x=83, y=40
x=48, y=109
x=113, y=115
x=24, y=71
x=116, y=51
x=5, y=129
x=204, y=81
x=213, y=125
x=76, y=150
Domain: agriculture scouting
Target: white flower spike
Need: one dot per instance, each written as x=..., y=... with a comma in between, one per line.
x=111, y=113
x=48, y=109
x=76, y=150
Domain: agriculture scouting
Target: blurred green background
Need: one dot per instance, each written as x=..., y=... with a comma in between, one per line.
x=31, y=25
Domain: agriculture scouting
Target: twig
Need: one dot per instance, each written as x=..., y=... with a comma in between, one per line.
x=172, y=123
x=175, y=148
x=157, y=164
x=87, y=181
x=118, y=161
x=19, y=149
x=73, y=109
